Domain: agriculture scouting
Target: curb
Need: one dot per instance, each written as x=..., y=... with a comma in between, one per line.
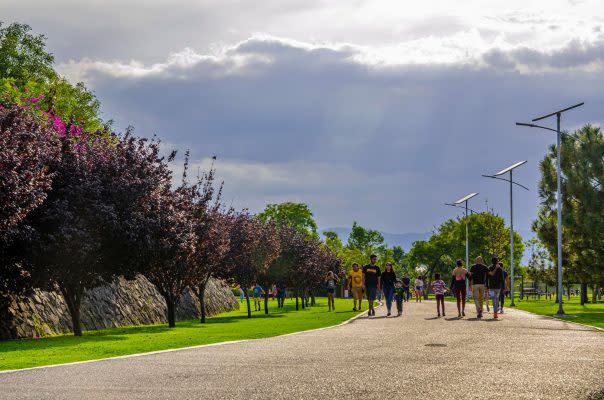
x=201, y=346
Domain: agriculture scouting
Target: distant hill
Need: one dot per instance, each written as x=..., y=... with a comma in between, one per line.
x=405, y=240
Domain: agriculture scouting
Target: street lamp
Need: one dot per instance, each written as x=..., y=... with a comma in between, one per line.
x=510, y=169
x=464, y=200
x=558, y=114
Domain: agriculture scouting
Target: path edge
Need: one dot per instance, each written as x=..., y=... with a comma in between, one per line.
x=597, y=328
x=200, y=346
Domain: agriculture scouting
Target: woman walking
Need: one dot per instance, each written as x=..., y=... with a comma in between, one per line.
x=331, y=280
x=460, y=275
x=388, y=282
x=419, y=287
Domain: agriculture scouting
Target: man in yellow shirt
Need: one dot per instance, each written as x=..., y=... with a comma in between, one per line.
x=355, y=284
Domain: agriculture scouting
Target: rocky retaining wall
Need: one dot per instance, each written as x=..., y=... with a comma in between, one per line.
x=120, y=303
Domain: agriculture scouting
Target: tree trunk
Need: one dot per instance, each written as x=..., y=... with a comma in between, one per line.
x=247, y=300
x=266, y=302
x=568, y=292
x=297, y=305
x=73, y=299
x=202, y=299
x=171, y=311
x=312, y=298
x=584, y=298
x=594, y=296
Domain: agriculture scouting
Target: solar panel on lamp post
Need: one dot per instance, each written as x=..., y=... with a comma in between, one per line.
x=457, y=203
x=497, y=175
x=558, y=114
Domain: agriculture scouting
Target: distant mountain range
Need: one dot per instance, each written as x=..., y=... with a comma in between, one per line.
x=405, y=240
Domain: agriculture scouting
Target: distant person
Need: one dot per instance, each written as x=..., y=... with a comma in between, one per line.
x=388, y=282
x=406, y=284
x=281, y=295
x=478, y=280
x=257, y=295
x=371, y=282
x=496, y=282
x=438, y=287
x=331, y=280
x=241, y=295
x=419, y=287
x=458, y=286
x=355, y=284
x=274, y=291
x=399, y=295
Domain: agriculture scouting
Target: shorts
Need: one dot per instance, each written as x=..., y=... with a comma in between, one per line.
x=371, y=293
x=357, y=293
x=418, y=288
x=331, y=290
x=440, y=297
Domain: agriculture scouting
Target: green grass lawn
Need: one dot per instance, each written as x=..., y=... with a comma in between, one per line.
x=588, y=314
x=235, y=325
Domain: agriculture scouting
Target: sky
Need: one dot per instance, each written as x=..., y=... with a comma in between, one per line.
x=377, y=112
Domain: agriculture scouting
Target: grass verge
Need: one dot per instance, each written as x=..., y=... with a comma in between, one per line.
x=93, y=345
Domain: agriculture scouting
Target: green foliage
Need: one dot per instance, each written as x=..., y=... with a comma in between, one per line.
x=582, y=204
x=27, y=77
x=367, y=241
x=23, y=56
x=488, y=237
x=295, y=215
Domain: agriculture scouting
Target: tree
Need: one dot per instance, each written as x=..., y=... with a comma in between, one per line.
x=173, y=245
x=82, y=232
x=23, y=55
x=295, y=215
x=247, y=257
x=365, y=240
x=27, y=148
x=582, y=168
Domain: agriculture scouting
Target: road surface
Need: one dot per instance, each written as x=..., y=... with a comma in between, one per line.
x=521, y=356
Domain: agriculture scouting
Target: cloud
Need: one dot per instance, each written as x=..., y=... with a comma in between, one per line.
x=382, y=143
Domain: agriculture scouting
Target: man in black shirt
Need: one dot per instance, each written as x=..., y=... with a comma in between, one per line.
x=496, y=282
x=478, y=279
x=371, y=282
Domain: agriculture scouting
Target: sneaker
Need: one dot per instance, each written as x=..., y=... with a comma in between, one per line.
x=501, y=311
x=464, y=314
x=354, y=309
x=495, y=315
x=438, y=316
x=388, y=314
x=444, y=315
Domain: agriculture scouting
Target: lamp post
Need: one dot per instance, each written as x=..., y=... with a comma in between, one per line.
x=497, y=175
x=464, y=200
x=558, y=114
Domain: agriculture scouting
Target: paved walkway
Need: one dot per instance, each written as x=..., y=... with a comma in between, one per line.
x=522, y=356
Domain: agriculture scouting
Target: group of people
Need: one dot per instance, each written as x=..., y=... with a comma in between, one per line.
x=485, y=282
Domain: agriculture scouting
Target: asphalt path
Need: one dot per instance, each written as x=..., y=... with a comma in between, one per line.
x=416, y=356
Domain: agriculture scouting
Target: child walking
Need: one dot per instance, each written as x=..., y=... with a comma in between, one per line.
x=438, y=287
x=331, y=279
x=399, y=294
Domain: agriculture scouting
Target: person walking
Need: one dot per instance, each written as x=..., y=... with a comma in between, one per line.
x=478, y=279
x=505, y=289
x=371, y=282
x=241, y=295
x=438, y=287
x=257, y=295
x=388, y=282
x=419, y=287
x=496, y=282
x=458, y=286
x=331, y=279
x=399, y=295
x=355, y=285
x=406, y=285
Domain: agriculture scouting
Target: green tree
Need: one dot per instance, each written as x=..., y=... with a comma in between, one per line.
x=295, y=215
x=365, y=240
x=23, y=55
x=582, y=167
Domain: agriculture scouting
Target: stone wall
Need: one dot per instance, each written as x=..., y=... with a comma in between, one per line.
x=120, y=303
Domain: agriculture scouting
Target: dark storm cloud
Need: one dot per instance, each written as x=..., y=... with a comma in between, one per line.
x=384, y=145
